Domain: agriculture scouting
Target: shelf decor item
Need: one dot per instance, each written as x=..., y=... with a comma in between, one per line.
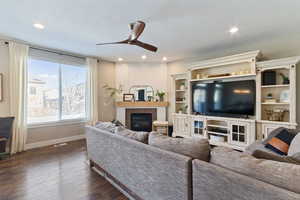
x=269, y=98
x=275, y=114
x=285, y=79
x=128, y=97
x=182, y=86
x=285, y=96
x=269, y=78
x=160, y=95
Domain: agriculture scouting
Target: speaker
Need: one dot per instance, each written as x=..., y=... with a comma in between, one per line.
x=269, y=78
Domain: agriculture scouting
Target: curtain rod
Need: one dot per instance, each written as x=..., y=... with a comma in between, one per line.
x=51, y=51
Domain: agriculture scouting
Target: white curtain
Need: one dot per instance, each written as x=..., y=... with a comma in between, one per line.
x=18, y=57
x=93, y=90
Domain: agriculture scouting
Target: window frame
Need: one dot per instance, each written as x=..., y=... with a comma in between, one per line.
x=60, y=120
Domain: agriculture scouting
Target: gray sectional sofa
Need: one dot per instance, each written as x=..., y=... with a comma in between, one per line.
x=145, y=172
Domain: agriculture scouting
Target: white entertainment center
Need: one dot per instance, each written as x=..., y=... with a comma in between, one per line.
x=233, y=132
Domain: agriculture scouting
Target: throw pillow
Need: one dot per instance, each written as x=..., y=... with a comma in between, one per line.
x=280, y=174
x=281, y=142
x=295, y=145
x=269, y=156
x=273, y=134
x=139, y=136
x=193, y=147
x=107, y=126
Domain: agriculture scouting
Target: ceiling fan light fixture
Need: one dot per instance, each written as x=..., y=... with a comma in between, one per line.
x=38, y=26
x=233, y=30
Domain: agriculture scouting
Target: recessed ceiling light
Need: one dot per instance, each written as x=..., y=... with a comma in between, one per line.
x=144, y=57
x=164, y=58
x=233, y=30
x=120, y=59
x=39, y=26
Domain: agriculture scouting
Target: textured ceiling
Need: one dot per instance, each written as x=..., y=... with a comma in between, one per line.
x=179, y=28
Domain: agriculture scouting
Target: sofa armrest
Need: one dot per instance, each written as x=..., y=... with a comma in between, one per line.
x=212, y=182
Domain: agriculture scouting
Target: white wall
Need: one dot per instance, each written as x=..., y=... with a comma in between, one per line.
x=153, y=74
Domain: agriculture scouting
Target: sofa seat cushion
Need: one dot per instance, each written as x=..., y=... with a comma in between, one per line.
x=193, y=147
x=139, y=136
x=284, y=175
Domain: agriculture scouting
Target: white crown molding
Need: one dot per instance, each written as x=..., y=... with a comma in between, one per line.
x=52, y=142
x=279, y=62
x=238, y=58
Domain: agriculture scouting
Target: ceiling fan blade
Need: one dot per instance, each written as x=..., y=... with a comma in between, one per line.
x=144, y=45
x=137, y=29
x=121, y=42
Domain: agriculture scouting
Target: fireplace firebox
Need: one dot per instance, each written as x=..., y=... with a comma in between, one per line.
x=140, y=119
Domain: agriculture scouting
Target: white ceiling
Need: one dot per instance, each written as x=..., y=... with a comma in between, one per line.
x=179, y=28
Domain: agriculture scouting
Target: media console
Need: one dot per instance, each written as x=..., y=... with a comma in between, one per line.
x=234, y=132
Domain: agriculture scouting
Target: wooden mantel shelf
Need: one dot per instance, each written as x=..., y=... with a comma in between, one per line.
x=142, y=104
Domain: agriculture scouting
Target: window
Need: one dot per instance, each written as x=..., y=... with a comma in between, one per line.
x=56, y=91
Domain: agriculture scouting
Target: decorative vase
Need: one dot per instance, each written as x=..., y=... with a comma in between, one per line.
x=161, y=98
x=286, y=81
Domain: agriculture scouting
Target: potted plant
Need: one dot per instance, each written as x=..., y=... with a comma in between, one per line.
x=160, y=95
x=285, y=79
x=114, y=93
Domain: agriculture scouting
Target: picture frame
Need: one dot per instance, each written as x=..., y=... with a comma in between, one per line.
x=128, y=97
x=1, y=87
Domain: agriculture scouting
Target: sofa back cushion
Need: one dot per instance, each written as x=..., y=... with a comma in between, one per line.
x=192, y=147
x=284, y=175
x=139, y=136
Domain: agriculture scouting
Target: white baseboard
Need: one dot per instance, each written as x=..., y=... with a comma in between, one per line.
x=52, y=142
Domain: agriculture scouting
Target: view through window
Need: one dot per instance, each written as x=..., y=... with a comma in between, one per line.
x=55, y=92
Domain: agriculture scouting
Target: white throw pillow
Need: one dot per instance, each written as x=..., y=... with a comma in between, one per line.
x=295, y=145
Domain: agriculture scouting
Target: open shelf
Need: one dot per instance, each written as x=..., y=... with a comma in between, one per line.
x=224, y=77
x=217, y=133
x=275, y=86
x=275, y=103
x=217, y=126
x=180, y=90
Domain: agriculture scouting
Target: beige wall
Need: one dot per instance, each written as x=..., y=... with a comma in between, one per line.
x=106, y=105
x=4, y=105
x=153, y=74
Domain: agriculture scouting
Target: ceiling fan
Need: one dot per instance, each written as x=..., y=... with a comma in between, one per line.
x=137, y=29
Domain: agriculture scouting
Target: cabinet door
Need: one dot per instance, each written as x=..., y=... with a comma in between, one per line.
x=198, y=127
x=239, y=133
x=181, y=125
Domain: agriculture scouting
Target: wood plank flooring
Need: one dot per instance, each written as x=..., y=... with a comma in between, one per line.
x=54, y=173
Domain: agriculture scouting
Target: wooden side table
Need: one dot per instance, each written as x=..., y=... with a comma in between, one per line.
x=161, y=127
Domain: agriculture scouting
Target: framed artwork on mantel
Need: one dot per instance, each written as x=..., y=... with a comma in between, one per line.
x=1, y=87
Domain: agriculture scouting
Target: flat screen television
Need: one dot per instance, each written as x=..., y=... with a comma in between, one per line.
x=224, y=98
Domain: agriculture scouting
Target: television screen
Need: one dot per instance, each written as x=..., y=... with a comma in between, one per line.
x=224, y=98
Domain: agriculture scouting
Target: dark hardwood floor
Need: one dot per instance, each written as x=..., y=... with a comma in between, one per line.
x=54, y=173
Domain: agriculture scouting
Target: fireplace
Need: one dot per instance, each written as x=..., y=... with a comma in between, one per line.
x=141, y=122
x=140, y=119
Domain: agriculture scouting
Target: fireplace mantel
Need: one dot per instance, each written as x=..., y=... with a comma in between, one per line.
x=141, y=104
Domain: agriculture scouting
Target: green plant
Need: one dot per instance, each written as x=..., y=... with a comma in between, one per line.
x=284, y=78
x=160, y=94
x=113, y=92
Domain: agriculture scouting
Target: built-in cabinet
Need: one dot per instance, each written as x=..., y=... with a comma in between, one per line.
x=220, y=131
x=237, y=133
